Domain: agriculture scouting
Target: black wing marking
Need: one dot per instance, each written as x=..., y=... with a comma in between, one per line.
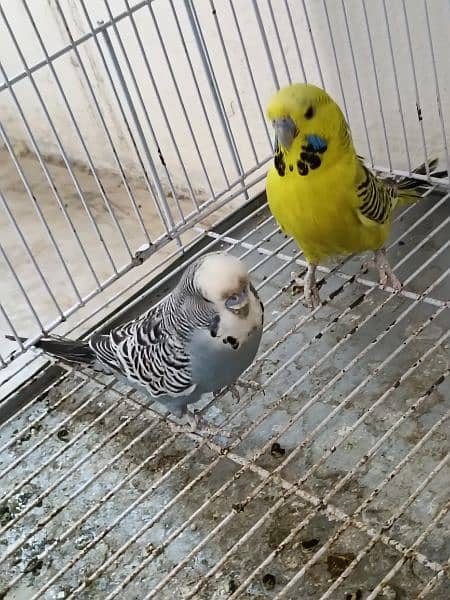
x=378, y=199
x=147, y=354
x=151, y=351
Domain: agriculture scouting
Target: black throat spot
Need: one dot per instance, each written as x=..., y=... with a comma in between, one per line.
x=309, y=159
x=232, y=341
x=279, y=163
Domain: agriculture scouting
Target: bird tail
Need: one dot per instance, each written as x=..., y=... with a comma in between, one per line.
x=410, y=189
x=70, y=351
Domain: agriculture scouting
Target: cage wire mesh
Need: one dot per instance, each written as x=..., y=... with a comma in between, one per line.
x=133, y=135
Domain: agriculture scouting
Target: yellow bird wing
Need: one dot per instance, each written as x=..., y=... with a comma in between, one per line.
x=329, y=212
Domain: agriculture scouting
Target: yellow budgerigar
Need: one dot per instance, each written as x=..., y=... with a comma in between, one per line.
x=319, y=190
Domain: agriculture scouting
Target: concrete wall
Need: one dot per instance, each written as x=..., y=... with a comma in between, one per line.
x=250, y=127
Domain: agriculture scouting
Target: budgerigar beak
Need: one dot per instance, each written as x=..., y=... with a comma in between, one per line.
x=237, y=302
x=285, y=130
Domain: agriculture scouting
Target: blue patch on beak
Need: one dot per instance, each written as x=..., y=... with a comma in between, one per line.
x=317, y=143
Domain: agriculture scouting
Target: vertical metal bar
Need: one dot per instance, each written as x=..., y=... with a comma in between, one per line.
x=438, y=91
x=40, y=215
x=209, y=71
x=180, y=99
x=13, y=331
x=71, y=46
x=29, y=252
x=212, y=136
x=52, y=185
x=52, y=127
x=119, y=103
x=233, y=79
x=22, y=289
x=294, y=37
x=316, y=56
x=377, y=84
x=280, y=45
x=397, y=88
x=416, y=89
x=266, y=44
x=177, y=89
x=145, y=112
x=355, y=69
x=156, y=181
x=60, y=146
x=250, y=72
x=338, y=70
x=105, y=128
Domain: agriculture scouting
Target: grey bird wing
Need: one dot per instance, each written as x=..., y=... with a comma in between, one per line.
x=148, y=354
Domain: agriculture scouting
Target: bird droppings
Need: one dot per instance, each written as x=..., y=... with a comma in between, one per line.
x=309, y=544
x=269, y=581
x=357, y=595
x=230, y=586
x=63, y=434
x=337, y=563
x=388, y=592
x=149, y=548
x=34, y=566
x=277, y=451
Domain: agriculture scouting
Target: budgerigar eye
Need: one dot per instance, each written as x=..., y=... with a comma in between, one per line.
x=309, y=113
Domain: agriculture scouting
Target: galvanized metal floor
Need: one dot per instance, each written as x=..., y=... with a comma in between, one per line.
x=334, y=485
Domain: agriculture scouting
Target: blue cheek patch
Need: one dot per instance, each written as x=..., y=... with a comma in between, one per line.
x=316, y=143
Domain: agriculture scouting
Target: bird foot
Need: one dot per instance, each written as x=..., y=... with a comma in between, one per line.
x=199, y=425
x=235, y=393
x=387, y=276
x=233, y=390
x=308, y=286
x=251, y=386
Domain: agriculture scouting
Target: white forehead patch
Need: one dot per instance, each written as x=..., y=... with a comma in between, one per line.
x=220, y=275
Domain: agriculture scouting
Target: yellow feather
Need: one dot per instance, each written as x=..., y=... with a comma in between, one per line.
x=321, y=210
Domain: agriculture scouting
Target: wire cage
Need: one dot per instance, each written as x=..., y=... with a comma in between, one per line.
x=134, y=139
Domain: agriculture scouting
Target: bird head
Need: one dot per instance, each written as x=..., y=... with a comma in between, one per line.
x=222, y=279
x=305, y=116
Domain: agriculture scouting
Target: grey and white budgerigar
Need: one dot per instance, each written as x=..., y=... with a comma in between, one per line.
x=199, y=339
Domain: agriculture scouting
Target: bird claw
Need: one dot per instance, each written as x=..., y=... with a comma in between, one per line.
x=387, y=277
x=309, y=288
x=312, y=296
x=297, y=283
x=251, y=386
x=235, y=393
x=199, y=425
